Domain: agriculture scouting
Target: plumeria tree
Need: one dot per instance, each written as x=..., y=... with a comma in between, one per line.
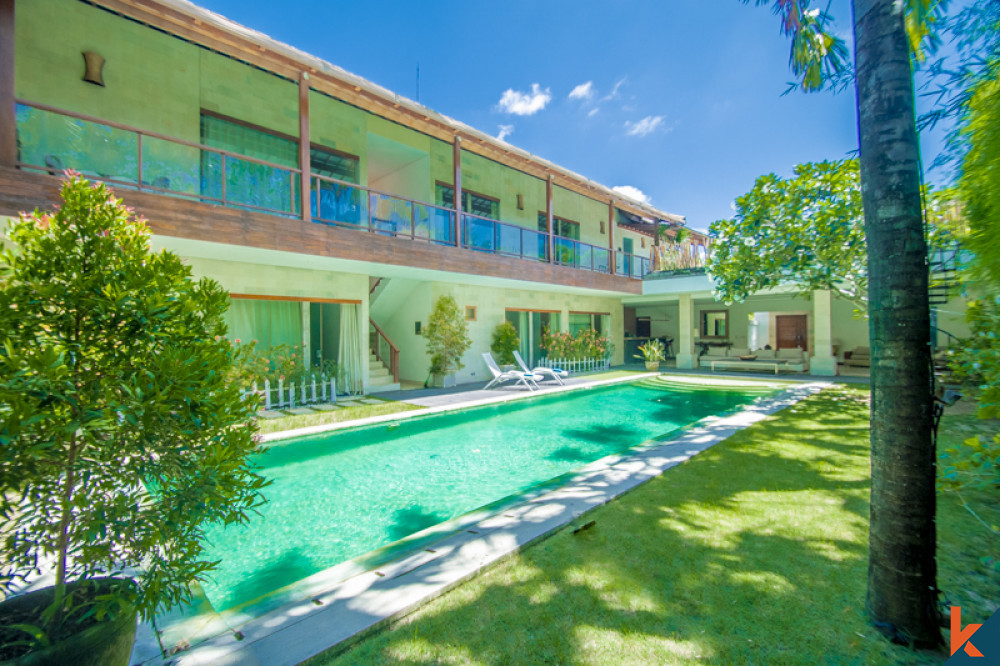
x=807, y=231
x=888, y=37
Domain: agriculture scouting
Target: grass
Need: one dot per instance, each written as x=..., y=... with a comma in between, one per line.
x=753, y=552
x=295, y=421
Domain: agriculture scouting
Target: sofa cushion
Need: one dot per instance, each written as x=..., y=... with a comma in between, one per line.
x=793, y=355
x=765, y=354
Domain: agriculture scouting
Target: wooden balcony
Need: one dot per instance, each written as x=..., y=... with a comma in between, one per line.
x=22, y=190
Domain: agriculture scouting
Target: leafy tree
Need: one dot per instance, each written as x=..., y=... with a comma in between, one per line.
x=121, y=436
x=447, y=336
x=505, y=343
x=807, y=231
x=902, y=592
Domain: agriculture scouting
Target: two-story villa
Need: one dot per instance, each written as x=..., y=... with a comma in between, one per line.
x=335, y=211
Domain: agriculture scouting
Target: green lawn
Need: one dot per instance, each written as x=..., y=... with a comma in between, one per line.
x=343, y=414
x=752, y=552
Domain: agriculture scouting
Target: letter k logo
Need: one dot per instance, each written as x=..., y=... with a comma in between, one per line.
x=960, y=636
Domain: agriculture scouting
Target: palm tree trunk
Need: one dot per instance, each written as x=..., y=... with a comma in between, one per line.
x=902, y=593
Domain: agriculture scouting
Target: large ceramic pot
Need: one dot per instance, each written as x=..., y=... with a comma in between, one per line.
x=652, y=366
x=107, y=643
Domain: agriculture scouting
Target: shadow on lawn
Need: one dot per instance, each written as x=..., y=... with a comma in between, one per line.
x=748, y=553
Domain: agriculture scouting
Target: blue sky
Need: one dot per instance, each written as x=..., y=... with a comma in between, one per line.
x=681, y=99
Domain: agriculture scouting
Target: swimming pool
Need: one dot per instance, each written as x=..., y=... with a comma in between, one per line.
x=342, y=495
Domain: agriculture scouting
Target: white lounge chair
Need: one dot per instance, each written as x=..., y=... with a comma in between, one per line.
x=526, y=379
x=545, y=373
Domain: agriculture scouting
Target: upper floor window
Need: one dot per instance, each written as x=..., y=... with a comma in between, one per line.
x=473, y=203
x=273, y=187
x=560, y=227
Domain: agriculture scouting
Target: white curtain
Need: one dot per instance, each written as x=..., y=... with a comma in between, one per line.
x=350, y=347
x=270, y=323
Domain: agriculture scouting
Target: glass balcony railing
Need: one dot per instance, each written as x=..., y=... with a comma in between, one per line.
x=485, y=235
x=631, y=265
x=52, y=140
x=569, y=252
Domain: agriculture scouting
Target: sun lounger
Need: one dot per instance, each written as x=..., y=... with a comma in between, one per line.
x=519, y=378
x=545, y=373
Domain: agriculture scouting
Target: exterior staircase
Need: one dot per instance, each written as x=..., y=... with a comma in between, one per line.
x=379, y=376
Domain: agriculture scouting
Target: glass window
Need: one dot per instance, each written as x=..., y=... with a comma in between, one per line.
x=334, y=165
x=561, y=227
x=243, y=139
x=475, y=204
x=582, y=321
x=249, y=183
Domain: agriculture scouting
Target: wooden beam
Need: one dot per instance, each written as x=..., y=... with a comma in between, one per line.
x=8, y=119
x=295, y=299
x=456, y=160
x=305, y=161
x=611, y=236
x=549, y=218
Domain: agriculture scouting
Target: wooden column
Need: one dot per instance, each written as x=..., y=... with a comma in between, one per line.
x=8, y=119
x=611, y=235
x=549, y=218
x=456, y=160
x=305, y=144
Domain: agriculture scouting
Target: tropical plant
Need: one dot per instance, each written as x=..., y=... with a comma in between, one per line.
x=901, y=568
x=505, y=343
x=653, y=351
x=558, y=344
x=807, y=231
x=447, y=335
x=121, y=433
x=586, y=344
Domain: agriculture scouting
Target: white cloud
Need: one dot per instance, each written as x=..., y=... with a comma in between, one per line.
x=582, y=91
x=632, y=193
x=614, y=91
x=592, y=112
x=524, y=104
x=505, y=131
x=644, y=126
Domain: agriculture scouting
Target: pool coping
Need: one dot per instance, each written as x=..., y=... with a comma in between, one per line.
x=339, y=614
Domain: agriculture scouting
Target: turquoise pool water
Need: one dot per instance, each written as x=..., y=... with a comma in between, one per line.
x=340, y=495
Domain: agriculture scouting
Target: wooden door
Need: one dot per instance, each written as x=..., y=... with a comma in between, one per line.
x=791, y=331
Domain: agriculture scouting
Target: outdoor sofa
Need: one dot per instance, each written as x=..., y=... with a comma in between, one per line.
x=861, y=357
x=766, y=360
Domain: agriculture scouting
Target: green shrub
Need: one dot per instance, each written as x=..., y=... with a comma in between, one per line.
x=121, y=434
x=505, y=343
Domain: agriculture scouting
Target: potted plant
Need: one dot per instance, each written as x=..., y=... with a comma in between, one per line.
x=505, y=343
x=652, y=353
x=121, y=433
x=447, y=335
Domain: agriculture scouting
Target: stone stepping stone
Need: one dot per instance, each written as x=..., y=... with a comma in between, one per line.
x=270, y=414
x=325, y=407
x=300, y=411
x=371, y=401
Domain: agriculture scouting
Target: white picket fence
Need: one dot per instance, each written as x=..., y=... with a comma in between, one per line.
x=577, y=364
x=307, y=392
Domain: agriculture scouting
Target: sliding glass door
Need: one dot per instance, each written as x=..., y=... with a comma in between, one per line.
x=529, y=325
